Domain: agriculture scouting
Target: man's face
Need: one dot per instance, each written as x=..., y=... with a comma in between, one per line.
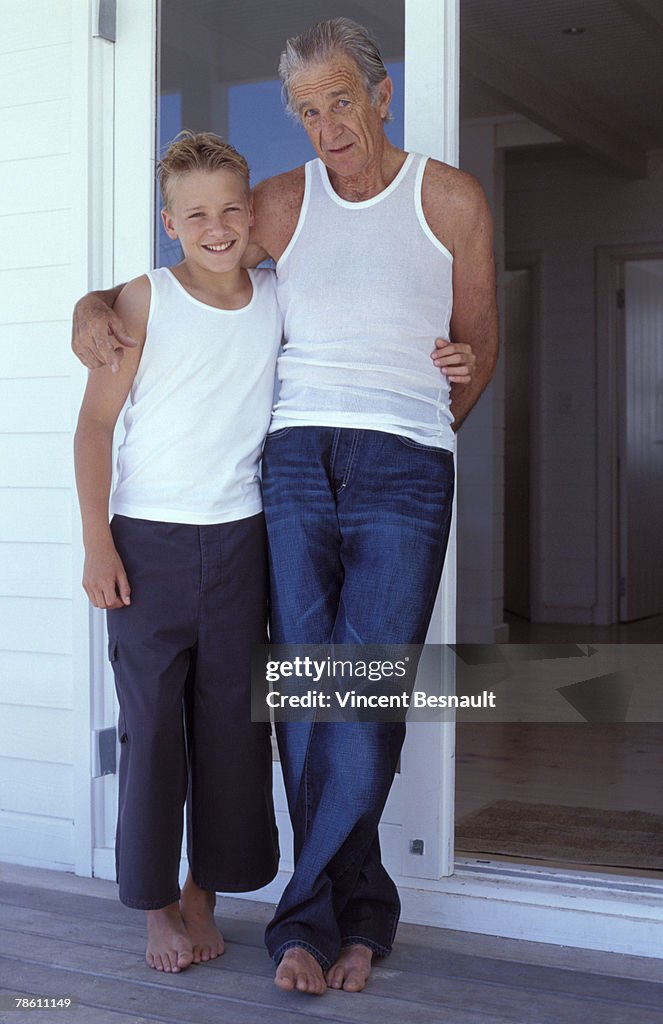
x=336, y=110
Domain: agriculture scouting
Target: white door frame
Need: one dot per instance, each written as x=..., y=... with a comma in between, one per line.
x=609, y=338
x=431, y=126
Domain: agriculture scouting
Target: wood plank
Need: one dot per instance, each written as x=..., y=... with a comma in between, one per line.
x=36, y=460
x=55, y=287
x=106, y=1002
x=37, y=349
x=36, y=515
x=237, y=997
x=33, y=679
x=37, y=841
x=85, y=1014
x=36, y=570
x=420, y=970
x=36, y=734
x=26, y=186
x=47, y=22
x=497, y=987
x=31, y=787
x=37, y=130
x=35, y=75
x=35, y=240
x=35, y=624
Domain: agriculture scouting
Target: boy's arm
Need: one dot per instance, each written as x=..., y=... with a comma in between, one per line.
x=104, y=578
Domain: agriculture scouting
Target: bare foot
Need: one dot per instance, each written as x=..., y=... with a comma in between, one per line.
x=197, y=908
x=352, y=969
x=299, y=970
x=169, y=947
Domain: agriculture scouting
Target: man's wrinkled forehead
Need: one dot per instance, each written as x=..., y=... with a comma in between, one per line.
x=338, y=77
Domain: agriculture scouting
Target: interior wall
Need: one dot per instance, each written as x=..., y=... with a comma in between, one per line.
x=480, y=481
x=565, y=206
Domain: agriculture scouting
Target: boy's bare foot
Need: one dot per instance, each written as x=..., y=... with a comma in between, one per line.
x=197, y=908
x=169, y=947
x=352, y=969
x=301, y=971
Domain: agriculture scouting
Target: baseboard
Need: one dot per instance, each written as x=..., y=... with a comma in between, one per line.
x=561, y=613
x=583, y=910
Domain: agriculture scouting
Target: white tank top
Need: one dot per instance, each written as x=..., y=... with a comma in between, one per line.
x=199, y=407
x=365, y=288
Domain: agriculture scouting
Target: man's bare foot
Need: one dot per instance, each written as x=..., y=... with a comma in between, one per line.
x=197, y=909
x=352, y=969
x=299, y=970
x=169, y=947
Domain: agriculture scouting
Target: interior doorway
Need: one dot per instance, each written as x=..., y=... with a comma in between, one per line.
x=521, y=347
x=640, y=440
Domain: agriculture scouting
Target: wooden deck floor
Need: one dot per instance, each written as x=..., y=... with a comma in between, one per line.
x=63, y=936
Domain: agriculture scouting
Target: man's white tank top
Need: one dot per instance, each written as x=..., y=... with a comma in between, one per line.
x=365, y=288
x=199, y=407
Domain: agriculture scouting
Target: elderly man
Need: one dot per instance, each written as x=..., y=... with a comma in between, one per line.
x=370, y=245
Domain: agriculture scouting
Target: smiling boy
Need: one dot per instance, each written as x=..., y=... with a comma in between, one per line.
x=181, y=570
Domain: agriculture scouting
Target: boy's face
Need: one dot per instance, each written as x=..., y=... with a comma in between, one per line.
x=211, y=213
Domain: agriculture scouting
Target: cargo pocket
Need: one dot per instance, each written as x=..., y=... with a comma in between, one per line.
x=113, y=657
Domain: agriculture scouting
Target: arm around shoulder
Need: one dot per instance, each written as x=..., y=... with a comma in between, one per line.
x=277, y=203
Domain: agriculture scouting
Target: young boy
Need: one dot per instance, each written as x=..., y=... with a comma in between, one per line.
x=182, y=569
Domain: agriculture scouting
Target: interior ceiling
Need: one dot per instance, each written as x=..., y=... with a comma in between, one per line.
x=601, y=89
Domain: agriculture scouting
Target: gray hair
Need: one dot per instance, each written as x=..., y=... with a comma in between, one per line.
x=319, y=43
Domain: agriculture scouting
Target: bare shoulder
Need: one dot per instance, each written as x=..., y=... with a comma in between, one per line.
x=133, y=306
x=277, y=203
x=454, y=202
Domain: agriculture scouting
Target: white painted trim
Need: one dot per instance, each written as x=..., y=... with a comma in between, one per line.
x=609, y=264
x=432, y=105
x=580, y=909
x=85, y=111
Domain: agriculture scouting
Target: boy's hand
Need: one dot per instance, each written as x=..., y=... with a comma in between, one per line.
x=104, y=579
x=98, y=334
x=456, y=360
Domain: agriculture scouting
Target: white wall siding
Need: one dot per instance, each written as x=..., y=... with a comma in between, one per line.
x=36, y=291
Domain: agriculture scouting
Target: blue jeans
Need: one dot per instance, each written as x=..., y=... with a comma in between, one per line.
x=358, y=523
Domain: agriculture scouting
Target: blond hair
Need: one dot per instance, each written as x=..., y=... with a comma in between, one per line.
x=198, y=151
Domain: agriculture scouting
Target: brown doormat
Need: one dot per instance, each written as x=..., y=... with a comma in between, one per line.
x=579, y=835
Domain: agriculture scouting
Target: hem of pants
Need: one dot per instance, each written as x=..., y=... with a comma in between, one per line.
x=324, y=962
x=359, y=940
x=149, y=904
x=248, y=886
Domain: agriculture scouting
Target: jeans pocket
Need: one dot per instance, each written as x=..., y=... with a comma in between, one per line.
x=274, y=434
x=418, y=446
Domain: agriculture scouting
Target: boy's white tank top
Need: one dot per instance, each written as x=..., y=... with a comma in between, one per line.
x=199, y=407
x=365, y=288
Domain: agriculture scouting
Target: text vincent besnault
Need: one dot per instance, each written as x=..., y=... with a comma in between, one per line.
x=352, y=699
x=373, y=671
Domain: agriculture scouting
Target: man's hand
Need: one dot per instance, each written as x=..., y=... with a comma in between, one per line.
x=456, y=360
x=98, y=333
x=104, y=579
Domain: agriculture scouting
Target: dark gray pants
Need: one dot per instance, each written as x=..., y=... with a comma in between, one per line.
x=181, y=655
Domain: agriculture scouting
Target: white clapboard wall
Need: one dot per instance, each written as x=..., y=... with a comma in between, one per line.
x=37, y=199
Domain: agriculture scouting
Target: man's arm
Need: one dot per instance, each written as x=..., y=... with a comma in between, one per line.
x=277, y=203
x=458, y=213
x=98, y=332
x=104, y=578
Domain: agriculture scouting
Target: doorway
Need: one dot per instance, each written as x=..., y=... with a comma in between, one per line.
x=640, y=441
